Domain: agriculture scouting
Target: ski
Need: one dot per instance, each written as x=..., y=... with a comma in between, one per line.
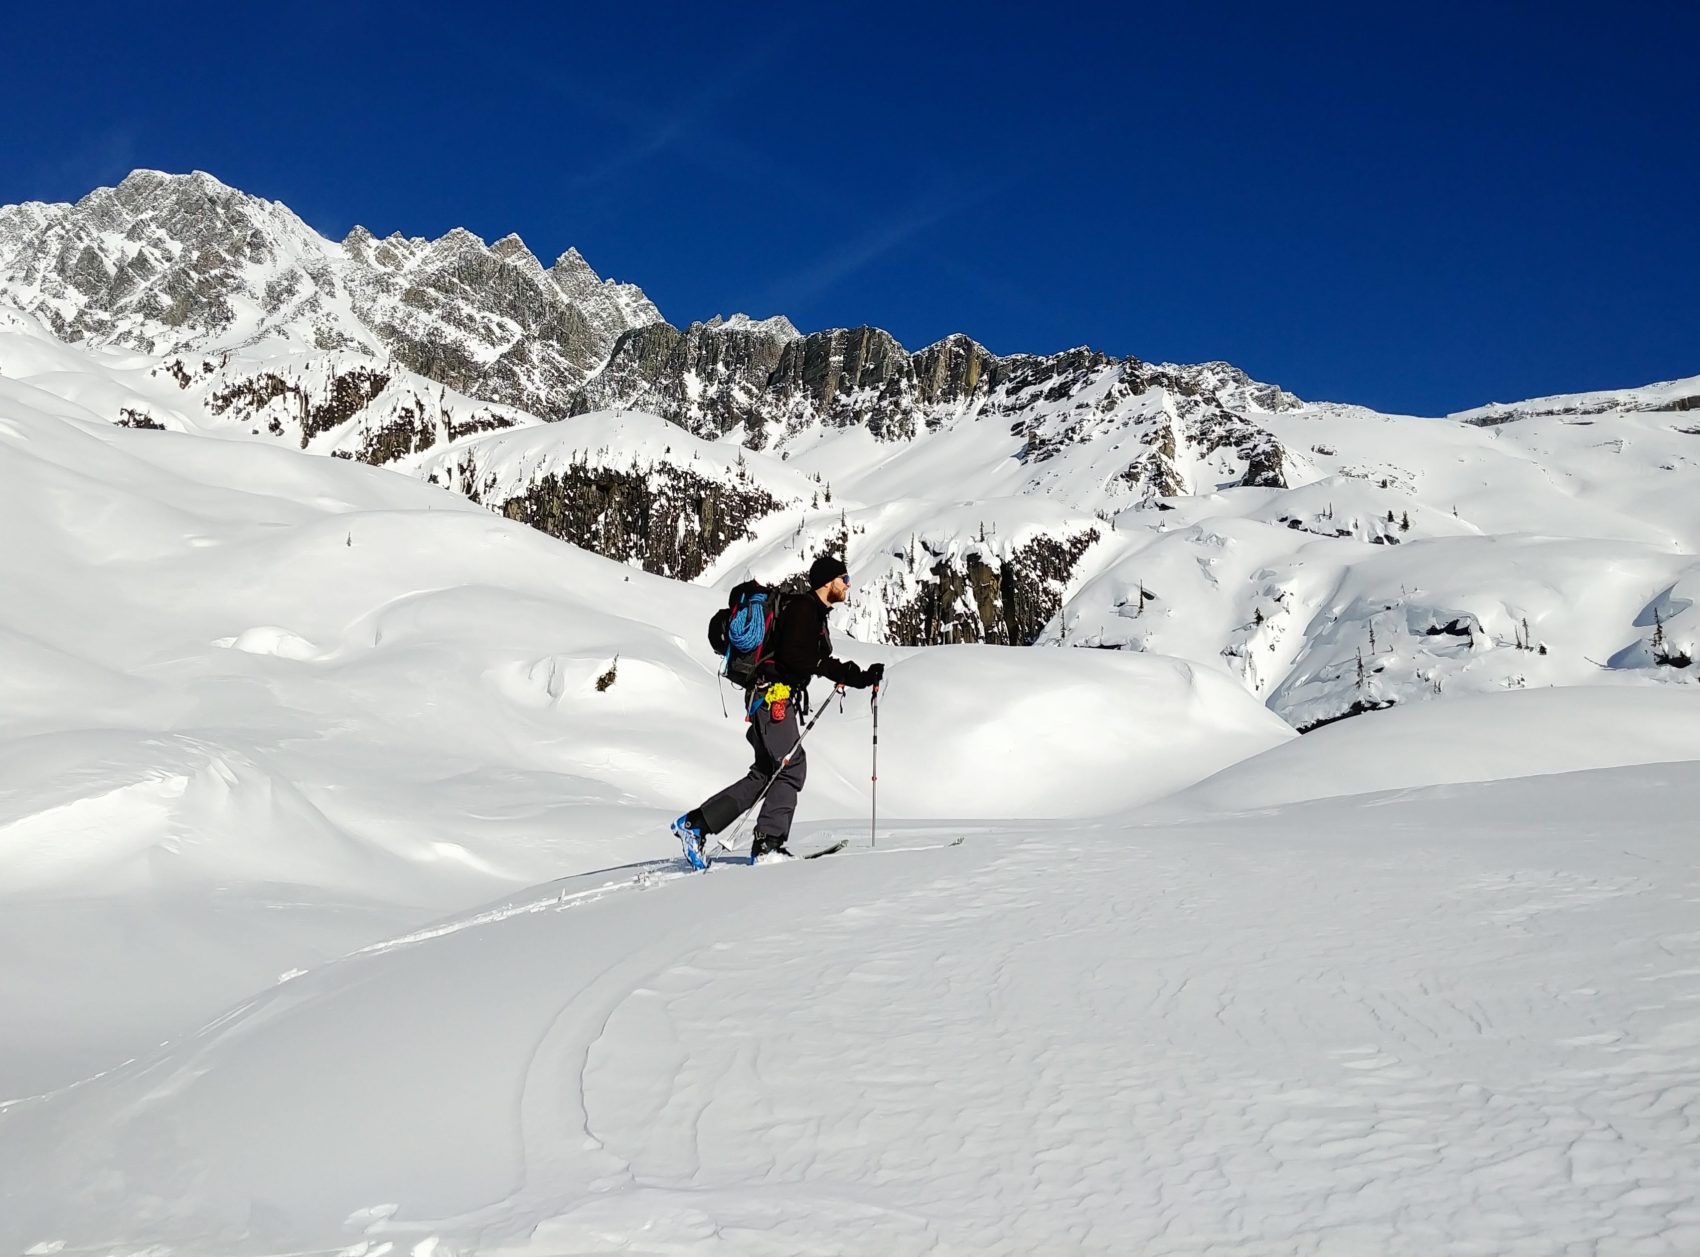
x=736, y=857
x=741, y=858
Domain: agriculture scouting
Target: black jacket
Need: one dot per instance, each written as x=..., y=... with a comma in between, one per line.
x=800, y=648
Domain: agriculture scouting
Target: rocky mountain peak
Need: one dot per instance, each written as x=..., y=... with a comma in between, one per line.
x=458, y=240
x=511, y=249
x=573, y=275
x=778, y=325
x=163, y=262
x=166, y=263
x=173, y=263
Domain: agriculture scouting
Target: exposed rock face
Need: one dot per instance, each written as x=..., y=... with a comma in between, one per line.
x=844, y=377
x=661, y=517
x=708, y=378
x=21, y=224
x=1199, y=431
x=977, y=597
x=490, y=322
x=712, y=378
x=772, y=382
x=181, y=263
x=773, y=385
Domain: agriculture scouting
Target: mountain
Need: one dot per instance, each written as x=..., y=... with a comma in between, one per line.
x=339, y=913
x=1332, y=559
x=165, y=264
x=770, y=386
x=186, y=267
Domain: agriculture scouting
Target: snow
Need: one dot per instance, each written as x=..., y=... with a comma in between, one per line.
x=1666, y=395
x=1438, y=1037
x=621, y=440
x=251, y=674
x=1523, y=733
x=338, y=913
x=774, y=325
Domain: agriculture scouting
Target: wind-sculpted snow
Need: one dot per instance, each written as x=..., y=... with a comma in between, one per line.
x=1463, y=1024
x=1523, y=733
x=242, y=676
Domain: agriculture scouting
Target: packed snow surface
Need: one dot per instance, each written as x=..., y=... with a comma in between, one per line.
x=1457, y=1020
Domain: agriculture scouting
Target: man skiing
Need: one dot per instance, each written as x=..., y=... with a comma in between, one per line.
x=799, y=648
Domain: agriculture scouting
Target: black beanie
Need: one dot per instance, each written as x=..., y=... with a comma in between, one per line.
x=825, y=570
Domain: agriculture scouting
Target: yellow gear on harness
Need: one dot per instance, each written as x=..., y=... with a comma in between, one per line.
x=778, y=692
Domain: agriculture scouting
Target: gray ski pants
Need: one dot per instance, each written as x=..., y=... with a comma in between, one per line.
x=770, y=739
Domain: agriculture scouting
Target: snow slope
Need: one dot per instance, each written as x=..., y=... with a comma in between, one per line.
x=245, y=683
x=1456, y=1020
x=1523, y=733
x=339, y=918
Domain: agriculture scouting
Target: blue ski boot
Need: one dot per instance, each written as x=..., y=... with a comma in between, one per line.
x=690, y=838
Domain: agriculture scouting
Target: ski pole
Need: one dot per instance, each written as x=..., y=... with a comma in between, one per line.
x=874, y=780
x=749, y=813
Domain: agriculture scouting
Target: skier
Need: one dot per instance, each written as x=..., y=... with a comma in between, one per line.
x=800, y=649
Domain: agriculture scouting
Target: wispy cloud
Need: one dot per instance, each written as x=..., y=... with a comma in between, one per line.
x=883, y=237
x=686, y=129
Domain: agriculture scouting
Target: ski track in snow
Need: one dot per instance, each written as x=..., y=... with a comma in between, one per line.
x=1437, y=1049
x=645, y=875
x=1196, y=1118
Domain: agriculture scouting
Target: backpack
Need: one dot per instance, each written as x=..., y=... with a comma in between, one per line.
x=738, y=632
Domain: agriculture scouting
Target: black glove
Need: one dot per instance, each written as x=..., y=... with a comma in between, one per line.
x=873, y=675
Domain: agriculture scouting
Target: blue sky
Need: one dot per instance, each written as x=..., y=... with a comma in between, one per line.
x=1420, y=209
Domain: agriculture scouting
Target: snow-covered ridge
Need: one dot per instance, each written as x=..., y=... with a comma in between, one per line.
x=183, y=264
x=1668, y=396
x=775, y=325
